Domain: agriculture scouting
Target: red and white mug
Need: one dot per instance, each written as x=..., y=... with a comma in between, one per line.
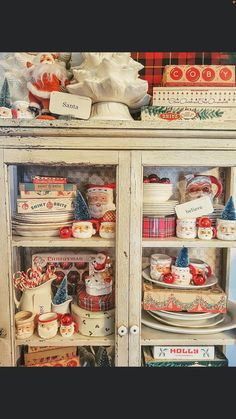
x=199, y=267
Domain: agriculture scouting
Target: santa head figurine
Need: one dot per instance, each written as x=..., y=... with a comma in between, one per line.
x=101, y=262
x=100, y=199
x=205, y=230
x=46, y=75
x=67, y=325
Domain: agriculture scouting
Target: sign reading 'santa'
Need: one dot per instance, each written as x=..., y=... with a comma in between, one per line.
x=68, y=104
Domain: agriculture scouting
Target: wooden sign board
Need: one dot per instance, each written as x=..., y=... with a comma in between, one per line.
x=68, y=104
x=195, y=208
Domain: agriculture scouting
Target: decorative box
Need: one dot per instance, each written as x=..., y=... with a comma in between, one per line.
x=183, y=352
x=160, y=227
x=71, y=263
x=95, y=303
x=100, y=283
x=219, y=360
x=94, y=323
x=187, y=113
x=208, y=300
x=48, y=179
x=199, y=75
x=49, y=355
x=194, y=96
x=57, y=187
x=44, y=205
x=47, y=194
x=67, y=362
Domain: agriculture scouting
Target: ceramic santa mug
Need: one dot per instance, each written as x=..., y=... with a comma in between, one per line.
x=186, y=228
x=160, y=264
x=107, y=229
x=182, y=275
x=205, y=231
x=85, y=229
x=199, y=267
x=226, y=229
x=24, y=321
x=68, y=326
x=48, y=324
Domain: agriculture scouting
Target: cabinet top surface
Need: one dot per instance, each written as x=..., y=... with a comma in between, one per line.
x=78, y=134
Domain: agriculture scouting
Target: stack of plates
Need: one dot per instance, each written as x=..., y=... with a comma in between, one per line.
x=157, y=192
x=191, y=323
x=218, y=209
x=160, y=208
x=41, y=224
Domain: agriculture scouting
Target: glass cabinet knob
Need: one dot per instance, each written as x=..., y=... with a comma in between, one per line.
x=122, y=330
x=134, y=330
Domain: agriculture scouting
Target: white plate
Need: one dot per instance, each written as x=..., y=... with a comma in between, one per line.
x=228, y=323
x=212, y=280
x=191, y=324
x=185, y=316
x=50, y=233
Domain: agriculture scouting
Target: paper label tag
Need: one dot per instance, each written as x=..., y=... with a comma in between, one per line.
x=68, y=104
x=184, y=352
x=195, y=208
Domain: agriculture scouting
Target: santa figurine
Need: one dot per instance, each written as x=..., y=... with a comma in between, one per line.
x=100, y=199
x=101, y=262
x=46, y=76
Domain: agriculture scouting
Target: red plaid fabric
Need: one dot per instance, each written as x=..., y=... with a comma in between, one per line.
x=95, y=303
x=160, y=227
x=154, y=62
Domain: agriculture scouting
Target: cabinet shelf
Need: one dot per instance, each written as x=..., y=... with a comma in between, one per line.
x=176, y=242
x=151, y=336
x=20, y=241
x=76, y=340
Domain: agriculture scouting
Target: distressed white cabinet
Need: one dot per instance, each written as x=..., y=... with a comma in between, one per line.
x=122, y=151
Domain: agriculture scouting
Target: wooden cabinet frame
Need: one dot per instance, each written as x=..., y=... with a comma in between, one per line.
x=130, y=146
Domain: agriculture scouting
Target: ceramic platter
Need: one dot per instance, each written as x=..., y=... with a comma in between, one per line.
x=228, y=323
x=212, y=280
x=192, y=324
x=185, y=315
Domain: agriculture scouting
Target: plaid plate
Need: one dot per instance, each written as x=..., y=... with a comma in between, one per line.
x=154, y=62
x=160, y=227
x=95, y=303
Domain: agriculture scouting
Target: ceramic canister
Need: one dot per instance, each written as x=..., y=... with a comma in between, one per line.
x=186, y=228
x=160, y=264
x=24, y=321
x=90, y=323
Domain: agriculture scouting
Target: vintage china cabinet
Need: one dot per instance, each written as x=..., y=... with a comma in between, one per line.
x=111, y=151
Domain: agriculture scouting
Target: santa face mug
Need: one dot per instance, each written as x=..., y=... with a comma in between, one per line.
x=186, y=229
x=182, y=275
x=24, y=324
x=199, y=267
x=48, y=325
x=84, y=229
x=107, y=229
x=206, y=233
x=226, y=229
x=100, y=199
x=68, y=326
x=160, y=265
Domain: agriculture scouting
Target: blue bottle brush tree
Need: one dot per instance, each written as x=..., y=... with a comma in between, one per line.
x=182, y=260
x=81, y=208
x=61, y=295
x=229, y=212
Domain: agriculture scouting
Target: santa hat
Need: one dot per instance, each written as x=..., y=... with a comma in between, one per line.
x=229, y=212
x=66, y=319
x=107, y=188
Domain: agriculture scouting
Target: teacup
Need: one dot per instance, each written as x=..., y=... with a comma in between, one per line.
x=198, y=266
x=107, y=229
x=48, y=324
x=160, y=265
x=24, y=324
x=85, y=229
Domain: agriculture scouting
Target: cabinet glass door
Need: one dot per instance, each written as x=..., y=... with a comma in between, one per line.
x=90, y=267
